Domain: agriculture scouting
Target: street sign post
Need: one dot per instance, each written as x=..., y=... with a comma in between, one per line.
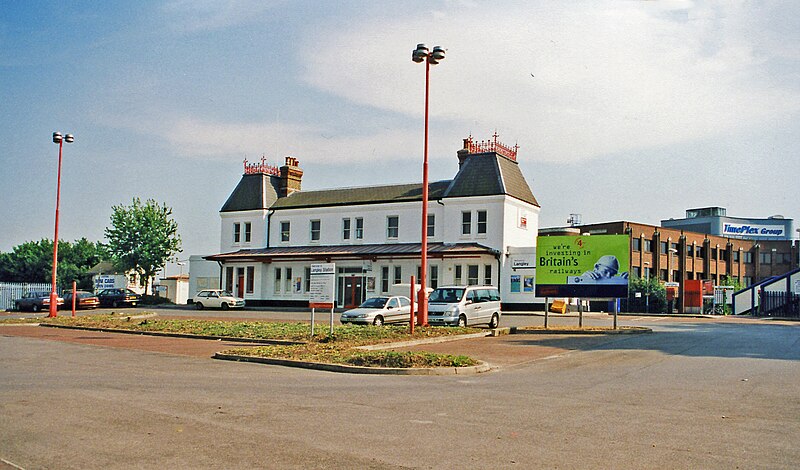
x=322, y=294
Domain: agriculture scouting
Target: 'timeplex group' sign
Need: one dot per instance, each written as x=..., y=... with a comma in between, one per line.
x=754, y=230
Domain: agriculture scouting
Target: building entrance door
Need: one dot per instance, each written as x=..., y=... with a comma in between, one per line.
x=351, y=289
x=240, y=282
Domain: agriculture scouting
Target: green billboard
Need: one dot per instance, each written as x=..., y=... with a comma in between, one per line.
x=591, y=266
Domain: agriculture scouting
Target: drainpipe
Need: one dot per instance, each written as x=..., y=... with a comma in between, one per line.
x=269, y=215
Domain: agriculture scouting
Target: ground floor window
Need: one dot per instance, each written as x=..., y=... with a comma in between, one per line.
x=229, y=279
x=433, y=281
x=278, y=272
x=251, y=274
x=472, y=274
x=487, y=275
x=307, y=274
x=398, y=275
x=385, y=279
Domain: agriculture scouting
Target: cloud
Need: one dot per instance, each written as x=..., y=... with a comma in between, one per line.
x=208, y=15
x=195, y=138
x=571, y=83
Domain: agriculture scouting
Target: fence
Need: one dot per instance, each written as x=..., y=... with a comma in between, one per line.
x=11, y=291
x=779, y=304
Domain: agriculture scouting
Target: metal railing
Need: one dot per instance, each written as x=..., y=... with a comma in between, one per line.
x=779, y=304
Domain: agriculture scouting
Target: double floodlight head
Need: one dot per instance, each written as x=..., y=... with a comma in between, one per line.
x=421, y=53
x=57, y=138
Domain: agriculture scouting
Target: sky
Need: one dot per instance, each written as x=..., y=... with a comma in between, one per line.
x=622, y=110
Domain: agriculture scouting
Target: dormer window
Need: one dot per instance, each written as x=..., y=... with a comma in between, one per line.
x=237, y=232
x=248, y=229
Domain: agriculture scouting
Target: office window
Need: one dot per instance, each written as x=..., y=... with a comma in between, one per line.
x=431, y=225
x=248, y=228
x=637, y=272
x=663, y=275
x=307, y=279
x=288, y=281
x=735, y=256
x=345, y=229
x=278, y=272
x=359, y=228
x=251, y=279
x=285, y=231
x=636, y=244
x=689, y=250
x=713, y=253
x=433, y=279
x=747, y=280
x=237, y=232
x=466, y=223
x=748, y=257
x=662, y=246
x=457, y=275
x=385, y=279
x=487, y=275
x=315, y=229
x=648, y=246
x=765, y=258
x=472, y=274
x=398, y=275
x=392, y=226
x=674, y=246
x=481, y=222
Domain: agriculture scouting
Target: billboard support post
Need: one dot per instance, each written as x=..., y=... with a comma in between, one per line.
x=546, y=310
x=580, y=313
x=616, y=308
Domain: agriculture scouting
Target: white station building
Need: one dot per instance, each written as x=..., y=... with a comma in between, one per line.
x=482, y=227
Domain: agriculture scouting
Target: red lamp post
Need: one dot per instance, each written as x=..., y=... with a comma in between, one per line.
x=422, y=54
x=57, y=139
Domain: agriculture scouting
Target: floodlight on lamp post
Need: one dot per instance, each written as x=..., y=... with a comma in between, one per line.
x=57, y=139
x=422, y=54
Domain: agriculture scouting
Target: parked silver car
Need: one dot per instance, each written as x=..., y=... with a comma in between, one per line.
x=464, y=306
x=379, y=310
x=36, y=301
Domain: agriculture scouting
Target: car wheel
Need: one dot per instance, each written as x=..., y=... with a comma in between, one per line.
x=462, y=321
x=378, y=321
x=198, y=306
x=224, y=306
x=35, y=307
x=494, y=321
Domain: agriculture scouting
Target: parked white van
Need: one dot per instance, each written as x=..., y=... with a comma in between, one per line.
x=464, y=306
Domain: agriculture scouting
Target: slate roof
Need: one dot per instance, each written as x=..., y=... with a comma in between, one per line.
x=254, y=192
x=481, y=174
x=351, y=251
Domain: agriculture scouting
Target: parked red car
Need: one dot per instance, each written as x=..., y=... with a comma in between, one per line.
x=83, y=299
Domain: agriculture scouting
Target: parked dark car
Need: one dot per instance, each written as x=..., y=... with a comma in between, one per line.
x=118, y=298
x=83, y=299
x=36, y=301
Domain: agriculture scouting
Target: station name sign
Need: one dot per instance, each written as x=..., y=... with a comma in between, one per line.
x=754, y=230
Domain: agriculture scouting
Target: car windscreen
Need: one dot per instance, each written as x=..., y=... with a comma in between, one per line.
x=375, y=302
x=446, y=295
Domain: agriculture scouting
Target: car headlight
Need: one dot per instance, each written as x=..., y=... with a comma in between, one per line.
x=361, y=315
x=453, y=312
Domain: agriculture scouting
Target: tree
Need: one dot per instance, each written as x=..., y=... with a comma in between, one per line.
x=142, y=238
x=33, y=262
x=658, y=295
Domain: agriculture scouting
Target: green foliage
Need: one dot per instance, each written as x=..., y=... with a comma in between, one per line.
x=338, y=348
x=33, y=262
x=142, y=238
x=658, y=295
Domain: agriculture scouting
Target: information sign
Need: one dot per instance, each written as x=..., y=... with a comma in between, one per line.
x=321, y=293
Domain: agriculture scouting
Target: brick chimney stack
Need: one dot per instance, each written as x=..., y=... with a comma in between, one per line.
x=290, y=177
